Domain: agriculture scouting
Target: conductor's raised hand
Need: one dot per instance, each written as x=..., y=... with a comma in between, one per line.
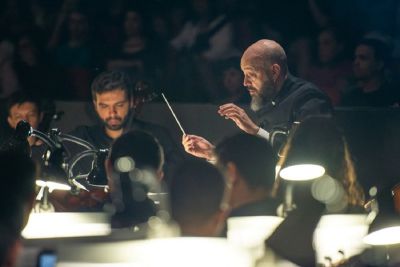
x=198, y=146
x=239, y=116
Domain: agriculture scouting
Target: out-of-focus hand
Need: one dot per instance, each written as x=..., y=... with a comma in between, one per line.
x=239, y=116
x=198, y=146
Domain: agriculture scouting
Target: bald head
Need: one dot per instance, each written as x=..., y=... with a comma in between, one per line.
x=265, y=69
x=264, y=53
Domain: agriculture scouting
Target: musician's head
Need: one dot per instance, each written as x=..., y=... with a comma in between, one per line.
x=197, y=195
x=133, y=168
x=22, y=106
x=249, y=164
x=112, y=99
x=142, y=150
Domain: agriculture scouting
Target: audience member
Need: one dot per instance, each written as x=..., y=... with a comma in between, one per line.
x=36, y=74
x=8, y=77
x=197, y=193
x=208, y=33
x=232, y=87
x=136, y=53
x=206, y=38
x=77, y=55
x=372, y=88
x=332, y=70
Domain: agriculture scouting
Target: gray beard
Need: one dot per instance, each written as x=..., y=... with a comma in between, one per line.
x=256, y=103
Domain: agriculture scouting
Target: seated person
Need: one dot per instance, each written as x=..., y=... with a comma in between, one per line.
x=317, y=140
x=197, y=193
x=134, y=165
x=372, y=87
x=21, y=106
x=17, y=174
x=114, y=102
x=249, y=164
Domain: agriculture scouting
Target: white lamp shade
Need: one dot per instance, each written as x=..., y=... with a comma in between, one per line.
x=302, y=172
x=250, y=232
x=340, y=236
x=386, y=236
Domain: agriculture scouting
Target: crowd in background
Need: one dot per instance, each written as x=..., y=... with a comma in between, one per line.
x=190, y=49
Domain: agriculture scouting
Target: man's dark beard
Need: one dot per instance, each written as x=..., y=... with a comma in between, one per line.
x=116, y=127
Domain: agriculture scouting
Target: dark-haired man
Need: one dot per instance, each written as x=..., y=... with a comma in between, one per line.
x=197, y=196
x=114, y=102
x=21, y=106
x=249, y=164
x=372, y=88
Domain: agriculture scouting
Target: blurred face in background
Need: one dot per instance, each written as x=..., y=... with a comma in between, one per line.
x=132, y=23
x=232, y=80
x=78, y=26
x=328, y=47
x=365, y=64
x=28, y=112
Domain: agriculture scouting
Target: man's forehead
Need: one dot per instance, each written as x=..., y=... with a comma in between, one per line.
x=117, y=95
x=252, y=61
x=24, y=107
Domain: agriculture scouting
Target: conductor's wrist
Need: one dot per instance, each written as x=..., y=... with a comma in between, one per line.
x=254, y=129
x=210, y=157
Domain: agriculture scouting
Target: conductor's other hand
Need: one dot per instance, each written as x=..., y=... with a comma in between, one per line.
x=239, y=116
x=198, y=146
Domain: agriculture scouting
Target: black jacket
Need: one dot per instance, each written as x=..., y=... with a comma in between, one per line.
x=96, y=136
x=296, y=100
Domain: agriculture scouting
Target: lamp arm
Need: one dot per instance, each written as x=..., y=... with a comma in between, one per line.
x=76, y=140
x=78, y=157
x=43, y=137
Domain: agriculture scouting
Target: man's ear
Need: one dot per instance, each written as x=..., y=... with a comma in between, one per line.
x=276, y=71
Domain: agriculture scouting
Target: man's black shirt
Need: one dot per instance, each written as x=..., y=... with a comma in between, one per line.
x=97, y=136
x=296, y=100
